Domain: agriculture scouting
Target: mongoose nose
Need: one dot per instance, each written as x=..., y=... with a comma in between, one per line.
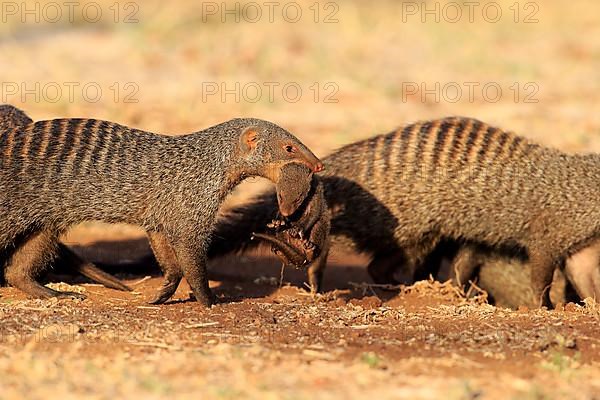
x=319, y=167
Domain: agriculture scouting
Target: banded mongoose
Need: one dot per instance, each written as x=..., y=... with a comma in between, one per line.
x=455, y=178
x=11, y=118
x=501, y=275
x=303, y=237
x=506, y=281
x=54, y=174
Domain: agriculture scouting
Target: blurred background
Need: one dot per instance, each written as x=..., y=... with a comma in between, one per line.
x=331, y=72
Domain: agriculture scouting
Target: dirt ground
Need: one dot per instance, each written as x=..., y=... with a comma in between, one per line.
x=268, y=338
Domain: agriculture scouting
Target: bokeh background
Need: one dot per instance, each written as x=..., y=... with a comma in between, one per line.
x=159, y=63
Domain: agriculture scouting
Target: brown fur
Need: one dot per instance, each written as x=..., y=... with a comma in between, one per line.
x=307, y=231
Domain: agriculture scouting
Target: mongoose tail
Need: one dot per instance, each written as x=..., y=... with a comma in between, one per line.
x=89, y=270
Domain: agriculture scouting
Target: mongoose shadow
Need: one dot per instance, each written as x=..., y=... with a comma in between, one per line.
x=55, y=174
x=256, y=275
x=374, y=235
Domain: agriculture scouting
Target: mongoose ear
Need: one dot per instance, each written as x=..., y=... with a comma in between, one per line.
x=248, y=140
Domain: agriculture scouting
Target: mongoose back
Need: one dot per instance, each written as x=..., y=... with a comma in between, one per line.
x=54, y=174
x=10, y=118
x=456, y=178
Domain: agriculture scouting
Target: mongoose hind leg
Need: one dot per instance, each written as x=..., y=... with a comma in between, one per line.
x=167, y=260
x=29, y=260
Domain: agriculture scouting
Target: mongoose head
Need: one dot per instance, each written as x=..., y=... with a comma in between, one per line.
x=12, y=117
x=293, y=185
x=267, y=147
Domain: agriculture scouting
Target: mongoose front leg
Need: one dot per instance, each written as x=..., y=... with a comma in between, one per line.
x=542, y=271
x=28, y=260
x=315, y=271
x=463, y=265
x=276, y=224
x=167, y=260
x=383, y=265
x=192, y=261
x=583, y=271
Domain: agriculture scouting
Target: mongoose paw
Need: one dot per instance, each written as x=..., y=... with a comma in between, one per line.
x=207, y=300
x=296, y=232
x=307, y=244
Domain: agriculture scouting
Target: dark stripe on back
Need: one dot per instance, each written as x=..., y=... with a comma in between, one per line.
x=440, y=143
x=386, y=153
x=457, y=141
x=489, y=138
x=502, y=140
x=69, y=141
x=86, y=144
x=516, y=141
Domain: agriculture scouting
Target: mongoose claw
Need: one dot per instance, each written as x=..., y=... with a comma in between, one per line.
x=70, y=295
x=206, y=300
x=307, y=244
x=164, y=294
x=296, y=232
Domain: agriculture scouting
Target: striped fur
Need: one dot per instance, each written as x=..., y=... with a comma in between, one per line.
x=54, y=174
x=12, y=118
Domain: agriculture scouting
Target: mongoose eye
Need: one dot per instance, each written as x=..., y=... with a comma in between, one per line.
x=289, y=148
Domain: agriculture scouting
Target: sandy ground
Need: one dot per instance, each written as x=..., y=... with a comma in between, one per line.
x=363, y=68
